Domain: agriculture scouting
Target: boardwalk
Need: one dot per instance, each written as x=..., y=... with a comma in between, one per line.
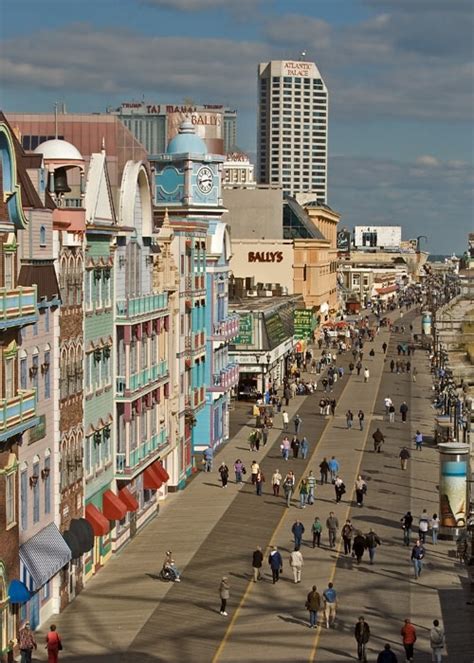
x=126, y=615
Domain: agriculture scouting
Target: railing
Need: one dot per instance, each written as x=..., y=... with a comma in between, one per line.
x=226, y=378
x=148, y=447
x=17, y=304
x=17, y=410
x=199, y=341
x=137, y=306
x=226, y=329
x=141, y=379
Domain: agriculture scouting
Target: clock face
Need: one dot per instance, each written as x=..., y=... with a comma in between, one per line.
x=205, y=179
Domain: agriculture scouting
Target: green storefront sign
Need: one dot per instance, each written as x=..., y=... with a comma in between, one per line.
x=304, y=323
x=245, y=336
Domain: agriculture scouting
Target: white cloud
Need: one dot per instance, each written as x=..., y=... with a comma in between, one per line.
x=427, y=160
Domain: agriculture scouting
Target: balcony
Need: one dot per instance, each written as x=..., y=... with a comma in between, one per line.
x=17, y=414
x=195, y=399
x=18, y=306
x=141, y=380
x=227, y=378
x=128, y=467
x=137, y=307
x=199, y=342
x=226, y=329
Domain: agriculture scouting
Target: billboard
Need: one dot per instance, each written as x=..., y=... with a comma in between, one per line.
x=304, y=323
x=343, y=241
x=245, y=336
x=207, y=124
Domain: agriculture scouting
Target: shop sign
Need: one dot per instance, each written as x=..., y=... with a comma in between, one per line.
x=275, y=330
x=304, y=323
x=245, y=336
x=297, y=68
x=265, y=256
x=344, y=241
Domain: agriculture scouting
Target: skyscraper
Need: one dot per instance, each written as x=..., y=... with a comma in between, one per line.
x=292, y=127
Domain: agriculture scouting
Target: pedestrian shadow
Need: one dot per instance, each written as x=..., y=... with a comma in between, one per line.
x=214, y=485
x=339, y=653
x=293, y=620
x=153, y=576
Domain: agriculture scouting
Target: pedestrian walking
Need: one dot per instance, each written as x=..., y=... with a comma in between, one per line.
x=224, y=472
x=316, y=529
x=378, y=438
x=208, y=456
x=288, y=487
x=333, y=465
x=53, y=644
x=257, y=561
x=423, y=526
x=418, y=440
x=346, y=533
x=295, y=446
x=358, y=367
x=437, y=641
x=324, y=471
x=404, y=411
x=362, y=636
x=361, y=490
x=417, y=556
x=330, y=605
x=303, y=493
x=387, y=655
x=404, y=455
x=285, y=419
x=224, y=593
x=387, y=401
x=434, y=526
x=407, y=522
x=384, y=347
x=349, y=418
x=361, y=417
x=276, y=564
x=358, y=546
x=26, y=643
x=332, y=525
x=311, y=481
x=304, y=448
x=297, y=531
x=285, y=447
x=408, y=634
x=414, y=373
x=259, y=481
x=391, y=413
x=371, y=542
x=339, y=488
x=254, y=470
x=276, y=482
x=296, y=563
x=239, y=470
x=366, y=375
x=313, y=605
x=297, y=423
x=392, y=366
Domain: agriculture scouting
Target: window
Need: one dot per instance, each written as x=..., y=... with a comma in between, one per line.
x=42, y=236
x=9, y=282
x=46, y=319
x=34, y=370
x=47, y=374
x=10, y=499
x=24, y=499
x=9, y=377
x=24, y=373
x=47, y=485
x=88, y=288
x=36, y=494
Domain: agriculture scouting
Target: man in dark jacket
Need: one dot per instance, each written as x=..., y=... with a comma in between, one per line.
x=362, y=635
x=372, y=541
x=324, y=470
x=407, y=522
x=404, y=455
x=276, y=564
x=358, y=546
x=387, y=655
x=298, y=531
x=379, y=439
x=257, y=559
x=404, y=411
x=313, y=604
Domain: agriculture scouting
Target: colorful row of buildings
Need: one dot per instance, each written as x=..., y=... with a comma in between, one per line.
x=115, y=367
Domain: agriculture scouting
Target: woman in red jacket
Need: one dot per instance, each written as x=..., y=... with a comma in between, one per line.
x=409, y=638
x=53, y=644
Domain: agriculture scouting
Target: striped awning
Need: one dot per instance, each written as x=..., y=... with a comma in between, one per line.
x=43, y=556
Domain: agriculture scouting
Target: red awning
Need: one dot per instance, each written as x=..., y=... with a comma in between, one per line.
x=98, y=521
x=113, y=507
x=387, y=289
x=151, y=480
x=128, y=499
x=161, y=472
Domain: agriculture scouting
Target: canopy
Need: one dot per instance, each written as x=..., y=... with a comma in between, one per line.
x=45, y=554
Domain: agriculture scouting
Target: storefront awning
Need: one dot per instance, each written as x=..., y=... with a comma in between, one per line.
x=82, y=530
x=18, y=592
x=45, y=554
x=128, y=499
x=161, y=472
x=96, y=518
x=73, y=543
x=112, y=506
x=151, y=480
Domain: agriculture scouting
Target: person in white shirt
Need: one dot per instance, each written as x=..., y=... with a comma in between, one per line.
x=296, y=563
x=437, y=641
x=434, y=526
x=366, y=375
x=423, y=526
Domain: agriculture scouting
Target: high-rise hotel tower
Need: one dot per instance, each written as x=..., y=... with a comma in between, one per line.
x=292, y=128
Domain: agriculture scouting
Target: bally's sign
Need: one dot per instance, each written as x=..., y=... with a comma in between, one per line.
x=265, y=256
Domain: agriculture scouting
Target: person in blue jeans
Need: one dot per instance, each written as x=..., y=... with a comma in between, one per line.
x=297, y=531
x=333, y=468
x=417, y=556
x=304, y=448
x=418, y=440
x=313, y=604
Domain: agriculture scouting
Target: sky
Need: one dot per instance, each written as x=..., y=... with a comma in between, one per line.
x=399, y=75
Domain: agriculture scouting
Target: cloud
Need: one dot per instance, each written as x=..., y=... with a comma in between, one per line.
x=427, y=160
x=436, y=202
x=202, y=5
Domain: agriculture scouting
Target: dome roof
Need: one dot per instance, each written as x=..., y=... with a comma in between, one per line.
x=59, y=149
x=186, y=141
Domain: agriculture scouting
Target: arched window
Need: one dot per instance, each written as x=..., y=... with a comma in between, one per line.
x=63, y=382
x=42, y=235
x=63, y=278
